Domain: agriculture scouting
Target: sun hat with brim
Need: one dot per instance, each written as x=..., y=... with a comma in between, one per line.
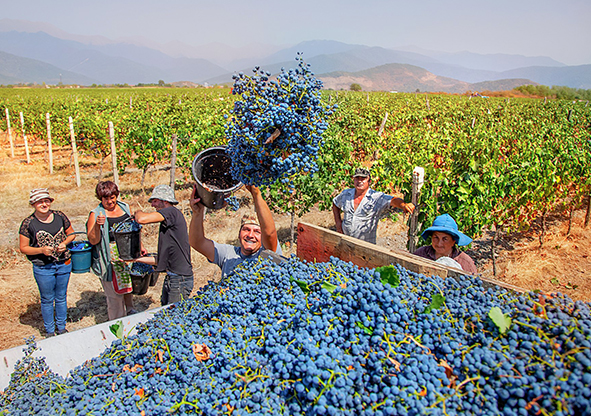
x=163, y=193
x=446, y=224
x=39, y=194
x=364, y=173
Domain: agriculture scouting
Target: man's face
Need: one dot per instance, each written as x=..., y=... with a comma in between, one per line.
x=157, y=204
x=250, y=238
x=361, y=183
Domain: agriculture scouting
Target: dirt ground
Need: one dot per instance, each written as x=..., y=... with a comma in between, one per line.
x=561, y=265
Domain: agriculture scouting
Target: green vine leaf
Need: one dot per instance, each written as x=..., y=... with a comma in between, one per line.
x=368, y=331
x=389, y=275
x=329, y=286
x=501, y=320
x=303, y=285
x=437, y=301
x=117, y=329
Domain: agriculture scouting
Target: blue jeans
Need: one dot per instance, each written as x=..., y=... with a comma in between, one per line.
x=175, y=288
x=52, y=280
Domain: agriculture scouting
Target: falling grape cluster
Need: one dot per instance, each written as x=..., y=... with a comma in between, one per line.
x=333, y=339
x=276, y=126
x=233, y=203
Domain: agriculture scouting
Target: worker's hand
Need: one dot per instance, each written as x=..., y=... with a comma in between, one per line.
x=408, y=207
x=195, y=202
x=252, y=189
x=61, y=248
x=47, y=250
x=100, y=219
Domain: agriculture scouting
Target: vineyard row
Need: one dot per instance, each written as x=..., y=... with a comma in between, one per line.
x=492, y=163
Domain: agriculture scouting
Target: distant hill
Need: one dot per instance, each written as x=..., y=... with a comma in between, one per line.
x=571, y=76
x=107, y=64
x=15, y=69
x=409, y=78
x=497, y=62
x=393, y=77
x=501, y=84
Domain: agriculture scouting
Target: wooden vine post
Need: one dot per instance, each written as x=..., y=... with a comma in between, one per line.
x=493, y=244
x=381, y=130
x=9, y=133
x=49, y=148
x=173, y=161
x=418, y=179
x=74, y=151
x=113, y=153
x=588, y=214
x=25, y=138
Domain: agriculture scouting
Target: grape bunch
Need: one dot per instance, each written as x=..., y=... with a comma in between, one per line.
x=276, y=126
x=333, y=339
x=127, y=227
x=139, y=269
x=233, y=203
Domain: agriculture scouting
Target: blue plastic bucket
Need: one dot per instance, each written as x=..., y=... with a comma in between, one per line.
x=81, y=256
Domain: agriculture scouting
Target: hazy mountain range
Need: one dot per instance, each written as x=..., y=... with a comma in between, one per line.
x=40, y=53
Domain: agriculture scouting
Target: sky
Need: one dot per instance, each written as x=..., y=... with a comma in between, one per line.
x=559, y=29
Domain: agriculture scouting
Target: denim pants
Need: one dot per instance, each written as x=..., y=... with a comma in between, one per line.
x=52, y=280
x=175, y=288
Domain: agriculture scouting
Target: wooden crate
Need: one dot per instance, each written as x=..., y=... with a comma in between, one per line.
x=317, y=244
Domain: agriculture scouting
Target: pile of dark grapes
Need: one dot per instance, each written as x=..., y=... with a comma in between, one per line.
x=276, y=127
x=333, y=339
x=32, y=385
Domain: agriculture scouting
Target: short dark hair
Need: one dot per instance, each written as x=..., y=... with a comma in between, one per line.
x=106, y=189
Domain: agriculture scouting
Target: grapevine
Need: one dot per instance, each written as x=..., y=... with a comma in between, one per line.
x=492, y=164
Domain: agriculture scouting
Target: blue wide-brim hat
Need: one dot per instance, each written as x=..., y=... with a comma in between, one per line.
x=446, y=224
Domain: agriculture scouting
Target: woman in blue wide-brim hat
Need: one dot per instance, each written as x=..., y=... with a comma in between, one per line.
x=445, y=239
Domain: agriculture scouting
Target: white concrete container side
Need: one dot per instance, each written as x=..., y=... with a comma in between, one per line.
x=65, y=352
